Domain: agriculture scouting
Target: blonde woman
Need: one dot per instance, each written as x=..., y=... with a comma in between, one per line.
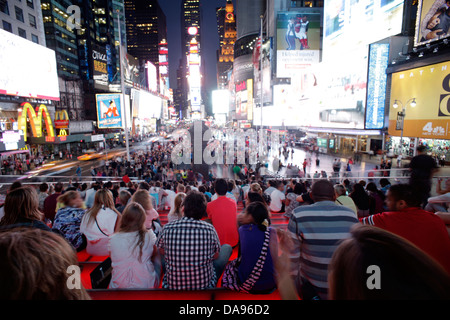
x=100, y=222
x=132, y=250
x=175, y=212
x=21, y=209
x=142, y=197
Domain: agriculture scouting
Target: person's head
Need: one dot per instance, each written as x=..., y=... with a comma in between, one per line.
x=405, y=272
x=299, y=188
x=384, y=182
x=103, y=199
x=144, y=186
x=59, y=187
x=21, y=205
x=255, y=196
x=15, y=185
x=231, y=185
x=34, y=265
x=256, y=213
x=194, y=205
x=322, y=190
x=255, y=187
x=43, y=187
x=177, y=202
x=180, y=188
x=402, y=196
x=221, y=187
x=133, y=220
x=421, y=149
x=372, y=187
x=124, y=196
x=340, y=190
x=358, y=189
x=143, y=198
x=71, y=199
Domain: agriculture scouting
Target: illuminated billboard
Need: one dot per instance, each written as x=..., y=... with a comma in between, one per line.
x=429, y=86
x=27, y=69
x=109, y=111
x=220, y=101
x=152, y=76
x=11, y=140
x=99, y=60
x=376, y=85
x=432, y=22
x=244, y=100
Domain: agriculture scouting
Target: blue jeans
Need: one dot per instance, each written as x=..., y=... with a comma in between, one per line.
x=221, y=261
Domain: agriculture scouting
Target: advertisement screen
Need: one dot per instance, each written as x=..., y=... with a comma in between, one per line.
x=432, y=22
x=21, y=75
x=346, y=23
x=11, y=140
x=244, y=100
x=109, y=111
x=220, y=101
x=100, y=67
x=145, y=105
x=152, y=76
x=376, y=85
x=430, y=87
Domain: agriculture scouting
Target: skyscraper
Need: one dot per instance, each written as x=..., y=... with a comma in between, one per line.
x=146, y=28
x=190, y=18
x=227, y=35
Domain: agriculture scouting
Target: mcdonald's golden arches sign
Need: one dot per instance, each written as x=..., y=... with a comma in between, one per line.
x=61, y=119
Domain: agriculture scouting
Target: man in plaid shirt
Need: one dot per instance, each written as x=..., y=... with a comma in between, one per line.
x=194, y=259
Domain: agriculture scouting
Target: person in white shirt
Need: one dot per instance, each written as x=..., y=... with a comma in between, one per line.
x=99, y=223
x=133, y=251
x=277, y=198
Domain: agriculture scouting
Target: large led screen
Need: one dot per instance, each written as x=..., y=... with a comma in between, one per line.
x=429, y=87
x=432, y=22
x=27, y=69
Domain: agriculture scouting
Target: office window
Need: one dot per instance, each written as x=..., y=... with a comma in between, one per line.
x=35, y=38
x=19, y=14
x=32, y=20
x=4, y=7
x=7, y=26
x=22, y=33
x=30, y=4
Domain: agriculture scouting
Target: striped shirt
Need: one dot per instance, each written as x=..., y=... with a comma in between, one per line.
x=316, y=230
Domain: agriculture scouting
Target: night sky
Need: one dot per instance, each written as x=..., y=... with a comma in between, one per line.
x=210, y=38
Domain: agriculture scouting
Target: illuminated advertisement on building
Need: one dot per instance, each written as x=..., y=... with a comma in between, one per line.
x=100, y=67
x=244, y=100
x=432, y=22
x=152, y=76
x=11, y=140
x=109, y=111
x=429, y=86
x=376, y=85
x=27, y=69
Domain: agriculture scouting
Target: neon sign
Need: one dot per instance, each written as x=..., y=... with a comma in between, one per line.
x=35, y=118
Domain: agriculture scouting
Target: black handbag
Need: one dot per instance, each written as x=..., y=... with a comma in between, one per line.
x=101, y=275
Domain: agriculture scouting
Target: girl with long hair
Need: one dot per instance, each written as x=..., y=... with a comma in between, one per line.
x=100, y=222
x=22, y=208
x=132, y=249
x=175, y=212
x=142, y=197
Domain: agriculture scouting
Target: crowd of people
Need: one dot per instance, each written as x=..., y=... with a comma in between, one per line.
x=334, y=232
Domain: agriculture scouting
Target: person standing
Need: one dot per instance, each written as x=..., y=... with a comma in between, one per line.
x=50, y=202
x=422, y=167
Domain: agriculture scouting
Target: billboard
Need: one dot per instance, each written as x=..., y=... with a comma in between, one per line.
x=61, y=119
x=109, y=111
x=299, y=30
x=244, y=100
x=11, y=140
x=220, y=101
x=376, y=85
x=152, y=76
x=100, y=67
x=346, y=23
x=432, y=22
x=430, y=87
x=27, y=69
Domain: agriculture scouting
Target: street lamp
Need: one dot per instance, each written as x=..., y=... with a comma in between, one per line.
x=402, y=114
